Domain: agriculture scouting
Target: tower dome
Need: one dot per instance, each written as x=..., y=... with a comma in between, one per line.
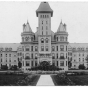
x=44, y=8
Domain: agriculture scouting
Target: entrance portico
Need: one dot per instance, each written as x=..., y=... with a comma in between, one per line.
x=45, y=57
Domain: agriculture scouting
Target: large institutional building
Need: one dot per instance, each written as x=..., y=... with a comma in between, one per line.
x=44, y=45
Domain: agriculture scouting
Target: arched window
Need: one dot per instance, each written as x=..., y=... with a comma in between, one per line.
x=42, y=40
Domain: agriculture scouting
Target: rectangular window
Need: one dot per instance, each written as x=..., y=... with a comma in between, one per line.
x=61, y=38
x=62, y=56
x=35, y=63
x=31, y=63
x=32, y=55
x=66, y=48
x=66, y=63
x=9, y=55
x=42, y=48
x=31, y=48
x=61, y=63
x=27, y=49
x=36, y=48
x=46, y=48
x=61, y=47
x=57, y=63
x=57, y=48
x=57, y=55
x=27, y=63
x=53, y=48
x=6, y=55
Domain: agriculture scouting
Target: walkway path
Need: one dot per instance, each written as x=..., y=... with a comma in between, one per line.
x=45, y=80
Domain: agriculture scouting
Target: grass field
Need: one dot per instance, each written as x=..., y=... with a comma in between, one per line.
x=63, y=80
x=79, y=80
x=18, y=80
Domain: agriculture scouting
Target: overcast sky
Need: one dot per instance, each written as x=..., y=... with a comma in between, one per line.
x=14, y=14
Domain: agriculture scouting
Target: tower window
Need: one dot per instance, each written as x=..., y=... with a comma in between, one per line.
x=36, y=48
x=46, y=22
x=43, y=16
x=42, y=48
x=46, y=27
x=42, y=27
x=61, y=38
x=46, y=33
x=42, y=40
x=46, y=40
x=46, y=48
x=53, y=48
x=62, y=47
x=42, y=22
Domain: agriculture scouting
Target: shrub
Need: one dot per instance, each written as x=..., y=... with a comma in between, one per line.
x=13, y=67
x=81, y=66
x=4, y=67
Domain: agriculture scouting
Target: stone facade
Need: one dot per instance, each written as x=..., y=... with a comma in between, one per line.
x=44, y=45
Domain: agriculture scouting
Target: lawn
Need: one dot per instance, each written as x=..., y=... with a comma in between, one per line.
x=72, y=80
x=18, y=80
x=79, y=80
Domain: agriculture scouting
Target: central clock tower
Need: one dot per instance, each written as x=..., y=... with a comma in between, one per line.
x=44, y=14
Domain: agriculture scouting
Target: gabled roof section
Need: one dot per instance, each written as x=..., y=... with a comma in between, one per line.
x=44, y=8
x=27, y=28
x=62, y=27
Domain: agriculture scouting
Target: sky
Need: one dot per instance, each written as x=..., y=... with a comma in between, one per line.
x=13, y=14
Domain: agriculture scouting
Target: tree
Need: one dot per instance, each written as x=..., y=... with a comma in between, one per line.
x=81, y=66
x=19, y=64
x=87, y=60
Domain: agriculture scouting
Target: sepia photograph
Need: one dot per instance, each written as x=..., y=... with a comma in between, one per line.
x=43, y=43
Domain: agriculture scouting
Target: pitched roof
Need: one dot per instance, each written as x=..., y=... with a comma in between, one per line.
x=78, y=45
x=44, y=8
x=14, y=46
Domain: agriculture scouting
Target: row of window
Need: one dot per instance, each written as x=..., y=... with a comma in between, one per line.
x=46, y=40
x=79, y=54
x=26, y=39
x=6, y=49
x=42, y=48
x=62, y=38
x=44, y=16
x=61, y=56
x=1, y=55
x=46, y=22
x=7, y=60
x=61, y=48
x=79, y=60
x=46, y=48
x=79, y=49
